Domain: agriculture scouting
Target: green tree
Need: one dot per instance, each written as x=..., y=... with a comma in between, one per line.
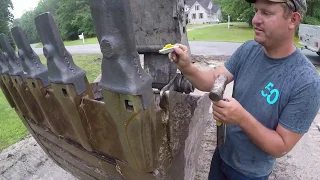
x=6, y=18
x=46, y=6
x=27, y=23
x=237, y=9
x=240, y=9
x=74, y=18
x=5, y=15
x=313, y=13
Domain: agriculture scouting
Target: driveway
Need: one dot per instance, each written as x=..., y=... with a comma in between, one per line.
x=198, y=48
x=227, y=48
x=312, y=56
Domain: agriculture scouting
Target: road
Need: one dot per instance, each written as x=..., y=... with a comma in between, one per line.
x=313, y=57
x=198, y=48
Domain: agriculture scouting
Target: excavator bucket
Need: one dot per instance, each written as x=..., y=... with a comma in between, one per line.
x=146, y=124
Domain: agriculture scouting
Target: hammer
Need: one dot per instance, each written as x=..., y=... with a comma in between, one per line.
x=216, y=94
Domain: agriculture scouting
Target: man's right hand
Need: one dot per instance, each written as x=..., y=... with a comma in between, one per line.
x=202, y=80
x=180, y=56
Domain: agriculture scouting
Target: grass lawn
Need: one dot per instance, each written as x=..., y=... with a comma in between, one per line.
x=195, y=25
x=76, y=42
x=238, y=32
x=12, y=129
x=91, y=63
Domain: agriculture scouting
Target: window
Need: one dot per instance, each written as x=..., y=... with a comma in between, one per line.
x=193, y=16
x=200, y=15
x=197, y=7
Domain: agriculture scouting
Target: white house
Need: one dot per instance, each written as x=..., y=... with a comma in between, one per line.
x=202, y=12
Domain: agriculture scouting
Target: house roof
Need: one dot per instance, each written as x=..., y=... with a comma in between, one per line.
x=204, y=4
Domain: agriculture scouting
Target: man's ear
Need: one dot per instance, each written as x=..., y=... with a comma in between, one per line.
x=294, y=20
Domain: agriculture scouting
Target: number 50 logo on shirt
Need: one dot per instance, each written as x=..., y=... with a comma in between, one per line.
x=271, y=94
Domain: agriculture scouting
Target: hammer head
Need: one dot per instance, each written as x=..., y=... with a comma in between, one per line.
x=216, y=93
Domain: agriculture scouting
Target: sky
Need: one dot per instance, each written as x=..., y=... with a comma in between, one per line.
x=20, y=6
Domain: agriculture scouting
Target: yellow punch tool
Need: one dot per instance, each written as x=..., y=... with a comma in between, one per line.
x=167, y=49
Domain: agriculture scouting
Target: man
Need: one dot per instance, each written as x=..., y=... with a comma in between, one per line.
x=276, y=93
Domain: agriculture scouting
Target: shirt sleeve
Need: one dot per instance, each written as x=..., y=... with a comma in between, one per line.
x=234, y=62
x=302, y=108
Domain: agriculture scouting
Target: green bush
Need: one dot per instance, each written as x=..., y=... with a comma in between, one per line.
x=311, y=20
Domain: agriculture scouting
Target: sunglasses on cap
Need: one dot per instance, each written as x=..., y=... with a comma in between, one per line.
x=295, y=8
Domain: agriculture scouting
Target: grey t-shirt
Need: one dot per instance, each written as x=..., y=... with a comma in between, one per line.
x=275, y=91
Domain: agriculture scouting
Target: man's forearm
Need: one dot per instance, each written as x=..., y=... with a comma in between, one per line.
x=202, y=80
x=268, y=140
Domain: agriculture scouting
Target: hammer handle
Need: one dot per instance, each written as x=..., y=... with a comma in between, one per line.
x=216, y=94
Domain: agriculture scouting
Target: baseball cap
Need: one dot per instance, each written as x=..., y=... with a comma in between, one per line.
x=299, y=6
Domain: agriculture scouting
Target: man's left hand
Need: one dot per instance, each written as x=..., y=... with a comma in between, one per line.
x=228, y=112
